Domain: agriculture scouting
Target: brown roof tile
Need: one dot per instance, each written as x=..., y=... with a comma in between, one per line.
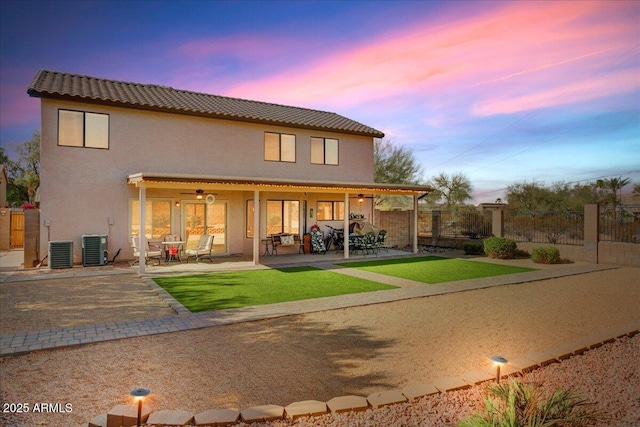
x=53, y=84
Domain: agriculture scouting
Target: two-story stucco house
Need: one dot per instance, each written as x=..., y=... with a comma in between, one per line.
x=119, y=157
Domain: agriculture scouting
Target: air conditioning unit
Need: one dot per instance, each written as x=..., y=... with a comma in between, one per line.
x=61, y=254
x=94, y=250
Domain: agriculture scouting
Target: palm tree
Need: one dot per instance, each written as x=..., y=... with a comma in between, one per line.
x=613, y=185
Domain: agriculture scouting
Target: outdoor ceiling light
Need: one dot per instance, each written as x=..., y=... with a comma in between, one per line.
x=498, y=361
x=140, y=394
x=360, y=198
x=199, y=194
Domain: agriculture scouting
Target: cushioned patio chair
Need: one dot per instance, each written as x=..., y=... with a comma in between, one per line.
x=203, y=251
x=149, y=253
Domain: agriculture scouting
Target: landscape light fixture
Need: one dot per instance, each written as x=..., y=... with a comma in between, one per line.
x=498, y=361
x=140, y=394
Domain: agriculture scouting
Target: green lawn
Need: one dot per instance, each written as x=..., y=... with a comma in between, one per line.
x=221, y=291
x=433, y=269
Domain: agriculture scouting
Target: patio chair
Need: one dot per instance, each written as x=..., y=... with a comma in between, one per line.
x=369, y=243
x=381, y=241
x=149, y=253
x=203, y=250
x=356, y=243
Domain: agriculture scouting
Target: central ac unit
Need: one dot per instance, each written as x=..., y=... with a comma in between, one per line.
x=94, y=250
x=61, y=254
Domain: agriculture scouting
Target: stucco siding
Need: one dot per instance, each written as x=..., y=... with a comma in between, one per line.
x=85, y=191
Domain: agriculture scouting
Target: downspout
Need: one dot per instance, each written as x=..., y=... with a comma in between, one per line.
x=256, y=227
x=345, y=232
x=142, y=260
x=415, y=223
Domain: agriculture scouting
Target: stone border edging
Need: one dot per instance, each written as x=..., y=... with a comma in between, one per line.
x=269, y=412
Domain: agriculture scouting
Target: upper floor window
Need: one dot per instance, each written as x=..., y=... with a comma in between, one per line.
x=279, y=147
x=83, y=129
x=324, y=151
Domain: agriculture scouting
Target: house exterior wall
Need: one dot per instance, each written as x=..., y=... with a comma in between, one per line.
x=85, y=190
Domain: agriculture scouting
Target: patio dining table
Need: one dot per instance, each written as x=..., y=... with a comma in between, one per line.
x=173, y=249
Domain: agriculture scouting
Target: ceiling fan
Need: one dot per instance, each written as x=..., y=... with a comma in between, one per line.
x=210, y=198
x=361, y=197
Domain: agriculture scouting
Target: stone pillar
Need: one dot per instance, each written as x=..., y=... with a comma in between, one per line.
x=497, y=223
x=31, y=237
x=591, y=221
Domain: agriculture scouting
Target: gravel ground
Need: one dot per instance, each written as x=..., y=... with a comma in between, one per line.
x=358, y=350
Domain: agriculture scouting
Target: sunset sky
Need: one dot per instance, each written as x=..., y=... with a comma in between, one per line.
x=503, y=92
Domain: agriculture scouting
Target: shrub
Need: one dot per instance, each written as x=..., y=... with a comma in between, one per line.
x=545, y=255
x=471, y=248
x=500, y=247
x=523, y=404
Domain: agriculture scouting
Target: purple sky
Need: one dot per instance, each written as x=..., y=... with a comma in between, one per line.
x=501, y=91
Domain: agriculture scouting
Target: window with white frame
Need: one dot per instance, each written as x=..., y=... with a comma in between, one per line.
x=279, y=147
x=83, y=129
x=324, y=151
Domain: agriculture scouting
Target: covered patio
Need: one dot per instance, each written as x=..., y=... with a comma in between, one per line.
x=241, y=192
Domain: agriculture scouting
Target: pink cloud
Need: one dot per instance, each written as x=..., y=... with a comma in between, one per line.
x=584, y=90
x=521, y=46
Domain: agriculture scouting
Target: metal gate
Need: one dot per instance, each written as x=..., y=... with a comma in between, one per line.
x=17, y=230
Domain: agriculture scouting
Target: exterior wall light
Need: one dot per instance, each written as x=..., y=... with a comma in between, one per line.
x=140, y=394
x=498, y=361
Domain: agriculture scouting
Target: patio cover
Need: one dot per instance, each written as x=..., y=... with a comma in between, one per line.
x=144, y=180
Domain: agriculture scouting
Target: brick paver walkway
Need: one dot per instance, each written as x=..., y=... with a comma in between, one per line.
x=23, y=342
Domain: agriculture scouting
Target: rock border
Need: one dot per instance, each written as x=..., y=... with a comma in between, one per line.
x=269, y=412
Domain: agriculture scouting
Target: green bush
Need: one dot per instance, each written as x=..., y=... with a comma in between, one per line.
x=471, y=248
x=524, y=404
x=500, y=247
x=545, y=255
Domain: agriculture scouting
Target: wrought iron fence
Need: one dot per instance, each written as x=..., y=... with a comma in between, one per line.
x=562, y=228
x=456, y=224
x=619, y=224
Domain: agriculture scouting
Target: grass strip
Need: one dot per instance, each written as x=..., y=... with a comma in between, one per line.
x=220, y=291
x=434, y=269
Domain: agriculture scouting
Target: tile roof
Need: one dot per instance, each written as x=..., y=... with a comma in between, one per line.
x=53, y=84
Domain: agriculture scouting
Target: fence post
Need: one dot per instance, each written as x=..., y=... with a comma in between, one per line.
x=497, y=223
x=591, y=221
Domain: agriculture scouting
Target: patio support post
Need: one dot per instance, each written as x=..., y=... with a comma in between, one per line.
x=256, y=227
x=143, y=226
x=415, y=223
x=345, y=234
